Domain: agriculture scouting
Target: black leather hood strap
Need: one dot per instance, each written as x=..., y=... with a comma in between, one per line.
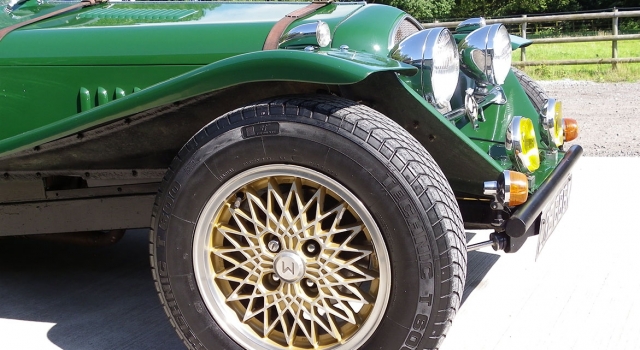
x=81, y=4
x=273, y=39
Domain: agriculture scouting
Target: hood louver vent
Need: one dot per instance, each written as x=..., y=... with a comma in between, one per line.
x=138, y=14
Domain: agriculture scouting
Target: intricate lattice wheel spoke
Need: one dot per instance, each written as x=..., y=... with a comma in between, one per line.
x=293, y=256
x=299, y=319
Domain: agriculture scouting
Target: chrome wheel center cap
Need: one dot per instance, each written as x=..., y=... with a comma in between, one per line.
x=289, y=266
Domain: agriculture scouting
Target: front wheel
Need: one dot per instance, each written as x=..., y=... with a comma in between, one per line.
x=308, y=223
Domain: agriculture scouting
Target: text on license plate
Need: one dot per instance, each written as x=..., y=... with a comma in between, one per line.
x=552, y=214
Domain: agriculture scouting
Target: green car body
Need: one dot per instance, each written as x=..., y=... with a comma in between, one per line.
x=96, y=102
x=79, y=70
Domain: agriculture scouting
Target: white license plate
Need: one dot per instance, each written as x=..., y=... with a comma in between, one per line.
x=552, y=214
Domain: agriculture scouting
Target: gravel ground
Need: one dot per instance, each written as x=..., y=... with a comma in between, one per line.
x=608, y=115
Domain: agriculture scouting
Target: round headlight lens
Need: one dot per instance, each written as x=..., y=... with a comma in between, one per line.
x=434, y=52
x=486, y=54
x=445, y=68
x=551, y=120
x=521, y=142
x=501, y=54
x=323, y=34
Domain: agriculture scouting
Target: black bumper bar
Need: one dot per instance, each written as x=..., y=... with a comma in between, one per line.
x=527, y=214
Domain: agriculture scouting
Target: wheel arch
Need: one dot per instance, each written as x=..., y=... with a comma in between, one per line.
x=148, y=139
x=327, y=68
x=452, y=150
x=151, y=138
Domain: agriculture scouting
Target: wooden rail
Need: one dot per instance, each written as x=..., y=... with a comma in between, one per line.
x=524, y=19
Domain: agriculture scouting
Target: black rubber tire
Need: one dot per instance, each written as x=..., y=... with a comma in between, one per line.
x=534, y=91
x=381, y=163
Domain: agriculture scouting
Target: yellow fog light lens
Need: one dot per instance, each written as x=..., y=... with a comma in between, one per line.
x=521, y=142
x=551, y=121
x=570, y=127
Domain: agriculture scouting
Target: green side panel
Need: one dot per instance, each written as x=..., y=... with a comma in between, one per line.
x=33, y=97
x=176, y=44
x=376, y=39
x=325, y=67
x=148, y=33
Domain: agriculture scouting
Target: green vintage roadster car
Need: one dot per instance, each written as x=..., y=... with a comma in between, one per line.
x=307, y=170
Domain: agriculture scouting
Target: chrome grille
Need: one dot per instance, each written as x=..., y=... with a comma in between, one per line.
x=404, y=29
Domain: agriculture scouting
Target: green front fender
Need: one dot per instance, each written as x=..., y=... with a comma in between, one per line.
x=518, y=42
x=323, y=67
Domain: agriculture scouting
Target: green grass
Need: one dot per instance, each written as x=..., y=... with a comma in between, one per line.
x=629, y=72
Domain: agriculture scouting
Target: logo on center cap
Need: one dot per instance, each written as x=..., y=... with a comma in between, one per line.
x=289, y=266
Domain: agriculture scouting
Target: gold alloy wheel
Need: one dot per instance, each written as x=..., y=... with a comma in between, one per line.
x=286, y=257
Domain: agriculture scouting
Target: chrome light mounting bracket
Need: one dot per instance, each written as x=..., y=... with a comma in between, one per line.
x=484, y=98
x=500, y=192
x=494, y=96
x=547, y=122
x=444, y=107
x=471, y=108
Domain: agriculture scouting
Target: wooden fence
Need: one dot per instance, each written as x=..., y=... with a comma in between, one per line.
x=524, y=20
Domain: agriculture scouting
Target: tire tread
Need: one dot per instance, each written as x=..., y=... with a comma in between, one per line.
x=534, y=91
x=388, y=140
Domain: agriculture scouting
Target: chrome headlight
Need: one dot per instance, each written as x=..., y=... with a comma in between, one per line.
x=434, y=52
x=316, y=34
x=486, y=54
x=521, y=143
x=471, y=24
x=551, y=121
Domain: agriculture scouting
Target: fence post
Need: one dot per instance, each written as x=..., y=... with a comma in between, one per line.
x=614, y=43
x=523, y=54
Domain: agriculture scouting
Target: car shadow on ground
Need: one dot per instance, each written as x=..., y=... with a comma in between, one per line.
x=478, y=265
x=97, y=297
x=104, y=297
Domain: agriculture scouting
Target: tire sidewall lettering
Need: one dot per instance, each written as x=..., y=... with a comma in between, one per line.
x=224, y=155
x=414, y=338
x=422, y=244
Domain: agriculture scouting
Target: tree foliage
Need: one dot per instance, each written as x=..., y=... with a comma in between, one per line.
x=423, y=9
x=470, y=8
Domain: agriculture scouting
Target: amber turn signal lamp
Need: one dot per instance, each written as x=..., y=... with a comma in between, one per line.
x=518, y=187
x=570, y=127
